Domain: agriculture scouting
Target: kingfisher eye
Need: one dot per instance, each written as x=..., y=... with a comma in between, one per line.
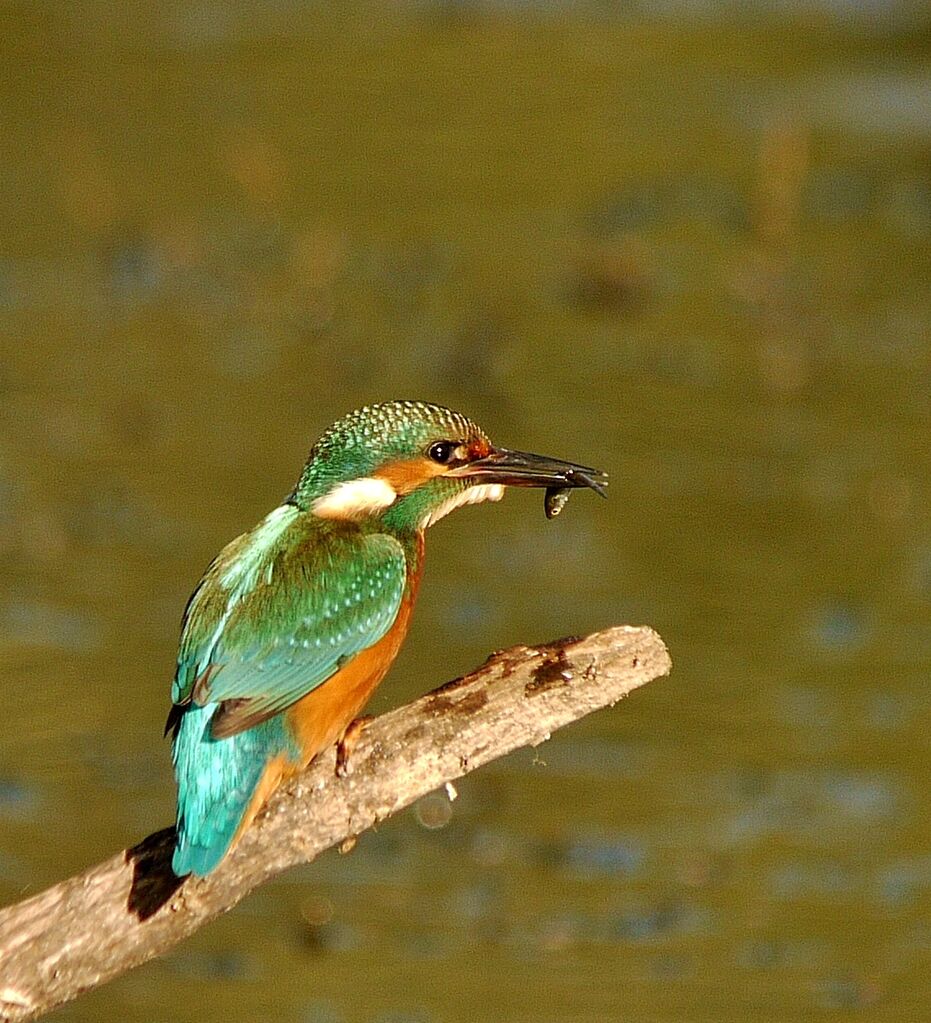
x=442, y=451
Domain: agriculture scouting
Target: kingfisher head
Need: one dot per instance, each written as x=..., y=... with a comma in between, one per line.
x=410, y=463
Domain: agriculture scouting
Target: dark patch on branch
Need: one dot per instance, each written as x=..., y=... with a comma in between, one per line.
x=468, y=704
x=553, y=670
x=153, y=882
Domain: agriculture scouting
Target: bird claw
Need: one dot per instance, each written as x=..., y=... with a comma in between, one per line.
x=347, y=743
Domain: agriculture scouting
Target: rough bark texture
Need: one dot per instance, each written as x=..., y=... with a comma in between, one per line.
x=94, y=926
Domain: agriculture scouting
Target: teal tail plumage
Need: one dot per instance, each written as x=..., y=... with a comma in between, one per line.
x=216, y=782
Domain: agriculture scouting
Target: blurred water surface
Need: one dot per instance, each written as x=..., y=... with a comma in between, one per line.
x=684, y=241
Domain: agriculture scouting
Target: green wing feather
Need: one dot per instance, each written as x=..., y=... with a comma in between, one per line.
x=275, y=618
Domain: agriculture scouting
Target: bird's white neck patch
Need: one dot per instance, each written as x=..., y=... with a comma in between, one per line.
x=471, y=495
x=355, y=499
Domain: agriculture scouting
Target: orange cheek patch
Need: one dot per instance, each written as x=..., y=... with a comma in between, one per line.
x=408, y=475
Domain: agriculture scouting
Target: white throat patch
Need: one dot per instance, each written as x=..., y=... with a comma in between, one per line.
x=471, y=495
x=355, y=499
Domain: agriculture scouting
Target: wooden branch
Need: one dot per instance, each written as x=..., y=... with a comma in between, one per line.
x=92, y=927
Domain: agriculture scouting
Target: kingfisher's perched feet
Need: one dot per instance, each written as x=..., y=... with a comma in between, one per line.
x=347, y=743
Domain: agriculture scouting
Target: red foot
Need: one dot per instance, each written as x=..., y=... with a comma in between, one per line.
x=347, y=744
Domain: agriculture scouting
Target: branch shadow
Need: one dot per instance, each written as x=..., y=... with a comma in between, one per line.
x=154, y=882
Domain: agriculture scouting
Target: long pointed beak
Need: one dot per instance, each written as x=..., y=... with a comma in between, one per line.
x=522, y=469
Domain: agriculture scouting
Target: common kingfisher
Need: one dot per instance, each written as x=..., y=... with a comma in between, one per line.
x=295, y=622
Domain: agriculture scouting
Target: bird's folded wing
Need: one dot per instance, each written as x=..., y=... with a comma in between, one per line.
x=306, y=616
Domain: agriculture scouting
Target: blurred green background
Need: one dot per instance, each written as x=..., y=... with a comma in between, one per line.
x=683, y=240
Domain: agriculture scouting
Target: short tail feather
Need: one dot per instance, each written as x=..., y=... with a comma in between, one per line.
x=217, y=779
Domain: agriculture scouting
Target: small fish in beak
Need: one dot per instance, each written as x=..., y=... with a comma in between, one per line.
x=523, y=469
x=555, y=500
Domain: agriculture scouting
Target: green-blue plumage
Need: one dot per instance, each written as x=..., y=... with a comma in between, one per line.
x=277, y=614
x=289, y=616
x=217, y=778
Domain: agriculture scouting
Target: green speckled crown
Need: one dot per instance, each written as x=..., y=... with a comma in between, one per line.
x=367, y=438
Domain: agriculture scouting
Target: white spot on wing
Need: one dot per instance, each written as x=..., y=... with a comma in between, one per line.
x=471, y=495
x=242, y=573
x=355, y=499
